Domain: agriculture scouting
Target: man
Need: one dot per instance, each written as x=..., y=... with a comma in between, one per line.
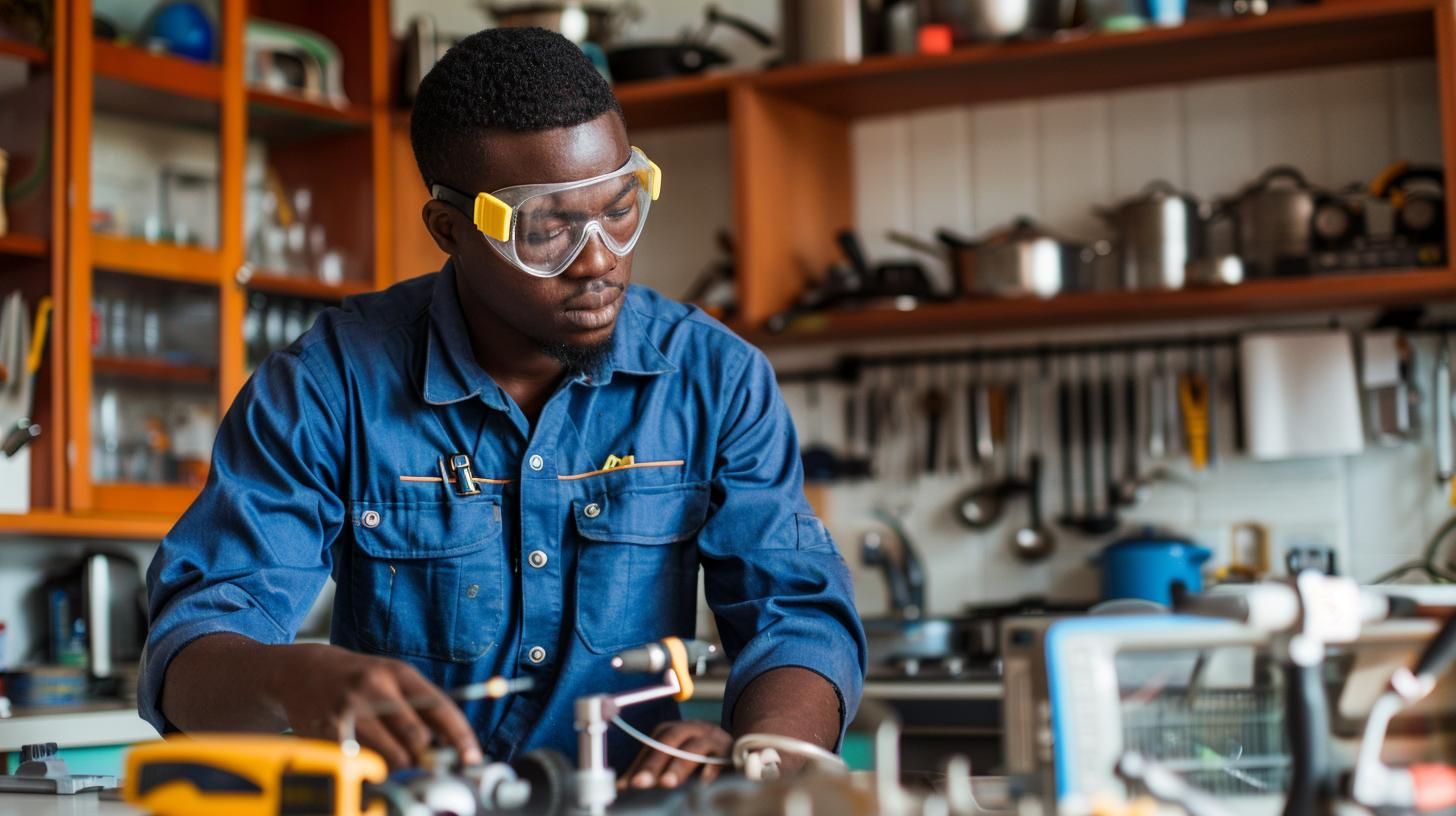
x=512, y=467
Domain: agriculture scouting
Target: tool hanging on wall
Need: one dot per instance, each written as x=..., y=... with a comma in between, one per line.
x=1193, y=397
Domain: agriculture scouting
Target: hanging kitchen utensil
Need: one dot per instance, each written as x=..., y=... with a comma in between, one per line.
x=985, y=422
x=933, y=406
x=821, y=463
x=1211, y=376
x=953, y=423
x=1033, y=541
x=1157, y=436
x=1131, y=488
x=1064, y=438
x=1087, y=436
x=1193, y=399
x=1108, y=415
x=982, y=506
x=973, y=415
x=1445, y=451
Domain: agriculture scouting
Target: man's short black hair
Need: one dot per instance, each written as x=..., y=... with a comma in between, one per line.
x=512, y=79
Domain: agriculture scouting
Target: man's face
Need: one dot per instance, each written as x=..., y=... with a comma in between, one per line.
x=576, y=310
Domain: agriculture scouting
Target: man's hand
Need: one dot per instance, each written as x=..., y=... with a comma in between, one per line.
x=653, y=768
x=227, y=682
x=324, y=682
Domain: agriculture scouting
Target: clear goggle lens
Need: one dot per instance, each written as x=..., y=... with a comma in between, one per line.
x=550, y=230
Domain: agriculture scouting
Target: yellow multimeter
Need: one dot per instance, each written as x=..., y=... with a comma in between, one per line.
x=251, y=775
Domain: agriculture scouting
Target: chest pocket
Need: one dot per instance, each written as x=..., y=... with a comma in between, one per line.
x=635, y=581
x=429, y=577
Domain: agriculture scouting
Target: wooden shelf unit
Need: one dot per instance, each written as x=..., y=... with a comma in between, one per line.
x=136, y=368
x=30, y=246
x=1336, y=33
x=300, y=287
x=1288, y=295
x=119, y=525
x=94, y=77
x=160, y=72
x=277, y=118
x=792, y=167
x=160, y=260
x=29, y=52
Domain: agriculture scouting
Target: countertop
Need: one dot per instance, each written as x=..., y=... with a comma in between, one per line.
x=83, y=727
x=81, y=804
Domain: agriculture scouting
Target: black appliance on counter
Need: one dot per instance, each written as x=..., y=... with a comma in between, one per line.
x=99, y=600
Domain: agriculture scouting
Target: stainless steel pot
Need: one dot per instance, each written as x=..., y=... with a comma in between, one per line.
x=989, y=20
x=1272, y=218
x=1160, y=232
x=1021, y=260
x=579, y=22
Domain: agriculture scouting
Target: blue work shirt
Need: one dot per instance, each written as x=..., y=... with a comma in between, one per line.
x=329, y=462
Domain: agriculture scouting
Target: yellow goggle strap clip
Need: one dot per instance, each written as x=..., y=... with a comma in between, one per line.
x=680, y=667
x=651, y=178
x=492, y=216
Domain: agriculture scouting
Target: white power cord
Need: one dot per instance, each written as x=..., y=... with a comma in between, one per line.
x=757, y=754
x=662, y=747
x=753, y=743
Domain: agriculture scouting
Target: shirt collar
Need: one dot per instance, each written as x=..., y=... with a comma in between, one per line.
x=452, y=373
x=633, y=351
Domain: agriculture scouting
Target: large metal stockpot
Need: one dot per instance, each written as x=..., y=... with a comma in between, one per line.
x=1271, y=218
x=1159, y=231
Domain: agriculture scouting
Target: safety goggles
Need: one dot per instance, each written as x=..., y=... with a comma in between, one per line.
x=541, y=228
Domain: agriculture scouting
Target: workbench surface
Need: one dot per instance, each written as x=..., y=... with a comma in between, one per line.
x=81, y=804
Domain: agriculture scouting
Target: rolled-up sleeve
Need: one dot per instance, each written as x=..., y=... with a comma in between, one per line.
x=778, y=586
x=253, y=551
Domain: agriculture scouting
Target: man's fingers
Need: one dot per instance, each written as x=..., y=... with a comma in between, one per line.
x=374, y=734
x=679, y=769
x=709, y=773
x=650, y=762
x=443, y=716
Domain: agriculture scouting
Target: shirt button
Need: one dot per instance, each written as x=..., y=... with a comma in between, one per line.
x=537, y=462
x=592, y=510
x=472, y=590
x=537, y=654
x=370, y=519
x=537, y=559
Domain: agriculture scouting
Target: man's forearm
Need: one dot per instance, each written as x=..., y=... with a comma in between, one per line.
x=223, y=682
x=792, y=702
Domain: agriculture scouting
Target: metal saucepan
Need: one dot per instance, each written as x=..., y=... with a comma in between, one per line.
x=1021, y=260
x=1160, y=231
x=579, y=22
x=989, y=20
x=1271, y=219
x=631, y=62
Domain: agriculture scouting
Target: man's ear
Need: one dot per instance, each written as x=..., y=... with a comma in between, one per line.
x=444, y=224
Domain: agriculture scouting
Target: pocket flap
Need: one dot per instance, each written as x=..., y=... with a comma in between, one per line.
x=644, y=515
x=425, y=529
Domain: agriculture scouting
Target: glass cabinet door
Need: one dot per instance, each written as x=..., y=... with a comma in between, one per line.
x=154, y=392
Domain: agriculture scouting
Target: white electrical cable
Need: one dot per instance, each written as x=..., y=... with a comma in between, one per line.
x=663, y=747
x=748, y=743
